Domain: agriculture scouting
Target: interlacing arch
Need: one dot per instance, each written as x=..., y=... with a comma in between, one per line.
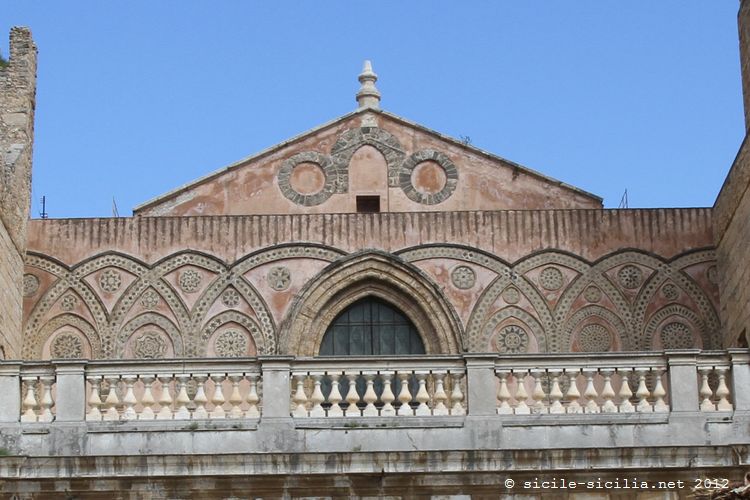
x=156, y=319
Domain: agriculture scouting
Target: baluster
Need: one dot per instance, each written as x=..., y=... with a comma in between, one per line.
x=317, y=397
x=252, y=396
x=608, y=393
x=182, y=398
x=200, y=398
x=521, y=395
x=235, y=398
x=335, y=397
x=722, y=391
x=300, y=398
x=112, y=401
x=422, y=395
x=503, y=395
x=642, y=393
x=45, y=414
x=30, y=404
x=538, y=394
x=147, y=400
x=659, y=392
x=573, y=394
x=387, y=397
x=457, y=397
x=165, y=399
x=625, y=393
x=440, y=396
x=129, y=400
x=352, y=397
x=555, y=394
x=590, y=393
x=705, y=390
x=218, y=398
x=404, y=396
x=370, y=396
x=95, y=401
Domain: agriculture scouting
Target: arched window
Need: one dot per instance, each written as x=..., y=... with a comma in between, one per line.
x=371, y=327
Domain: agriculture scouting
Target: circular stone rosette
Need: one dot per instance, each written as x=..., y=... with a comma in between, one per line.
x=512, y=340
x=329, y=172
x=407, y=169
x=551, y=278
x=463, y=277
x=630, y=277
x=676, y=336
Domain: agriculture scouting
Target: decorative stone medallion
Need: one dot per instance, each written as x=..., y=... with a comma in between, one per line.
x=551, y=278
x=713, y=275
x=230, y=297
x=67, y=346
x=676, y=336
x=69, y=302
x=110, y=280
x=150, y=345
x=592, y=294
x=30, y=285
x=327, y=170
x=670, y=291
x=463, y=277
x=426, y=198
x=595, y=338
x=190, y=280
x=630, y=277
x=150, y=299
x=231, y=344
x=512, y=340
x=279, y=278
x=511, y=295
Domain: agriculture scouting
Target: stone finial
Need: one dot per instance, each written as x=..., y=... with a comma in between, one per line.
x=368, y=95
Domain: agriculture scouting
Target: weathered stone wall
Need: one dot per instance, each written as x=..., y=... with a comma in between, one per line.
x=743, y=22
x=17, y=101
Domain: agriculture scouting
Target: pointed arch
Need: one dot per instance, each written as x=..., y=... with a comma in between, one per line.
x=375, y=274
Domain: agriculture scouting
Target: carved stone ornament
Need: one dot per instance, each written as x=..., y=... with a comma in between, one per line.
x=595, y=338
x=512, y=340
x=150, y=299
x=551, y=278
x=30, y=285
x=713, y=275
x=150, y=345
x=69, y=302
x=110, y=280
x=230, y=298
x=411, y=192
x=511, y=295
x=67, y=346
x=231, y=344
x=190, y=280
x=279, y=278
x=670, y=291
x=676, y=336
x=592, y=294
x=463, y=277
x=630, y=277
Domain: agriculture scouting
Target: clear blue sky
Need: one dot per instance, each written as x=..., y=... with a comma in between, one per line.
x=136, y=98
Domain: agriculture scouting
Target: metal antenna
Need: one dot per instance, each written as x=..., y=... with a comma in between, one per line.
x=624, y=200
x=43, y=214
x=115, y=213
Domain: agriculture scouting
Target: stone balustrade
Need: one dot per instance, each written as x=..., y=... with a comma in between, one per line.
x=284, y=388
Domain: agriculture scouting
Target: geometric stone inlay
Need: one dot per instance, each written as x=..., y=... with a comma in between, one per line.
x=463, y=277
x=630, y=276
x=279, y=278
x=670, y=291
x=512, y=339
x=713, y=275
x=30, y=285
x=592, y=294
x=551, y=278
x=595, y=338
x=110, y=280
x=150, y=345
x=511, y=295
x=150, y=299
x=231, y=344
x=67, y=346
x=676, y=336
x=230, y=297
x=190, y=280
x=423, y=197
x=69, y=302
x=327, y=169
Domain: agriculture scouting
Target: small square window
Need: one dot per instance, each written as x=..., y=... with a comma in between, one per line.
x=368, y=204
